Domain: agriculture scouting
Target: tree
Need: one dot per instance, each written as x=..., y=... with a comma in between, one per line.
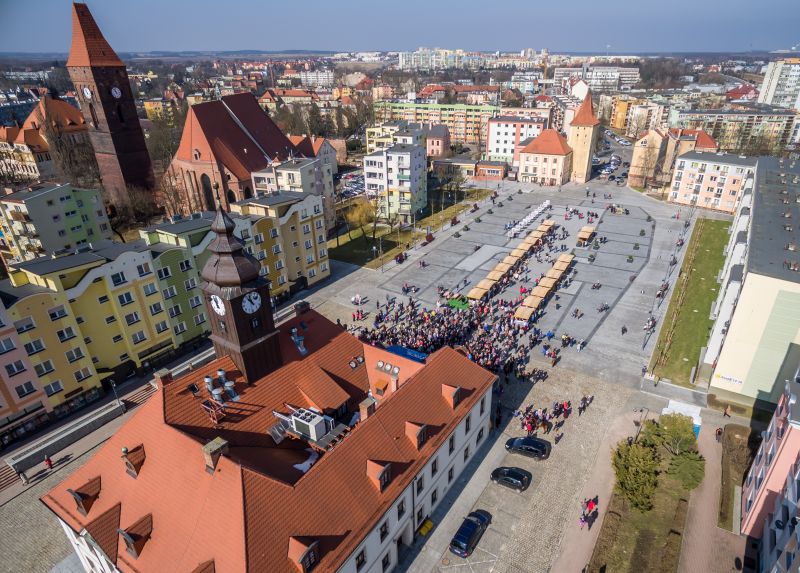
x=636, y=468
x=141, y=204
x=689, y=468
x=673, y=432
x=314, y=121
x=72, y=153
x=360, y=215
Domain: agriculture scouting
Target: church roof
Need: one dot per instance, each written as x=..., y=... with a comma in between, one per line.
x=89, y=47
x=585, y=116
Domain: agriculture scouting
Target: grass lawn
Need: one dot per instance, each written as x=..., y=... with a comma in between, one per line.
x=739, y=447
x=633, y=541
x=687, y=322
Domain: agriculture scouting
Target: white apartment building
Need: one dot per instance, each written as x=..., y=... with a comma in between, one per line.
x=781, y=85
x=506, y=133
x=599, y=78
x=395, y=179
x=317, y=78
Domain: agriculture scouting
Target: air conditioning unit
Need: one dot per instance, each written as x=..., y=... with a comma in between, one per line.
x=309, y=424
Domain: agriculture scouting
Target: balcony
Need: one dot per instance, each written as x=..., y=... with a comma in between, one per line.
x=404, y=177
x=20, y=216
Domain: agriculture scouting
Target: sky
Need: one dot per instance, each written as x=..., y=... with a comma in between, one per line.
x=349, y=25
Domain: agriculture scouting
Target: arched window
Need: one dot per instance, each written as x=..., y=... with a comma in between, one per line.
x=208, y=194
x=94, y=116
x=248, y=193
x=231, y=197
x=119, y=114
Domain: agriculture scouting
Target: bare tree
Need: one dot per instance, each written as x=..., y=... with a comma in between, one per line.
x=71, y=152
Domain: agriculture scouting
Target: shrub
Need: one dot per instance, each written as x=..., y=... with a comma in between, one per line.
x=688, y=468
x=641, y=233
x=519, y=191
x=490, y=212
x=636, y=468
x=636, y=246
x=457, y=235
x=466, y=227
x=477, y=219
x=673, y=432
x=630, y=258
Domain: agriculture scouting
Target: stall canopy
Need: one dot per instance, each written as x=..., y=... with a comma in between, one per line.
x=540, y=291
x=543, y=228
x=566, y=258
x=554, y=273
x=549, y=223
x=485, y=284
x=510, y=260
x=547, y=283
x=523, y=313
x=532, y=301
x=518, y=252
x=530, y=240
x=502, y=268
x=477, y=293
x=495, y=276
x=560, y=266
x=536, y=235
x=585, y=233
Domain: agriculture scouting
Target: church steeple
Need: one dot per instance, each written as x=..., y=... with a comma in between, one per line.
x=228, y=265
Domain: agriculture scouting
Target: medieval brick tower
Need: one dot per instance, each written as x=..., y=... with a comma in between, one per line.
x=582, y=138
x=106, y=100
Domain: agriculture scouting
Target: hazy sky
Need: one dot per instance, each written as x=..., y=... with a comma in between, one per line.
x=571, y=25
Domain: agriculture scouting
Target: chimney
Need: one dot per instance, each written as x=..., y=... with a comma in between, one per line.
x=163, y=377
x=212, y=452
x=367, y=407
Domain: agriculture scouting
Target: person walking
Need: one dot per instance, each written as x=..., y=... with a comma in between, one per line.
x=48, y=463
x=624, y=329
x=718, y=434
x=727, y=412
x=23, y=477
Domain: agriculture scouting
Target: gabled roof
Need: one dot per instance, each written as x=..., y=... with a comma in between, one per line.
x=549, y=142
x=89, y=47
x=585, y=116
x=308, y=146
x=703, y=141
x=235, y=131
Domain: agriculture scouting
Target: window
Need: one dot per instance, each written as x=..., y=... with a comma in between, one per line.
x=25, y=389
x=434, y=467
x=175, y=311
x=483, y=405
x=180, y=328
x=384, y=530
x=420, y=484
x=150, y=288
x=82, y=374
x=57, y=312
x=276, y=249
x=170, y=292
x=185, y=265
x=53, y=388
x=195, y=301
x=361, y=559
x=15, y=367
x=138, y=337
x=308, y=244
x=468, y=424
x=273, y=233
x=111, y=319
x=190, y=283
x=66, y=334
x=386, y=561
x=103, y=299
x=125, y=299
x=44, y=368
x=450, y=475
x=466, y=453
x=74, y=354
x=34, y=346
x=479, y=438
x=259, y=238
x=118, y=279
x=117, y=338
x=401, y=509
x=420, y=515
x=144, y=269
x=164, y=273
x=199, y=319
x=161, y=326
x=132, y=318
x=452, y=444
x=124, y=357
x=6, y=345
x=156, y=308
x=434, y=496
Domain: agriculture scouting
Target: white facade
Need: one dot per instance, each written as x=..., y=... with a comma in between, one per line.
x=506, y=134
x=321, y=78
x=599, y=78
x=781, y=85
x=90, y=555
x=396, y=180
x=424, y=494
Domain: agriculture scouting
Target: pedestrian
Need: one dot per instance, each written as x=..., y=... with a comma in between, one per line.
x=48, y=463
x=582, y=521
x=644, y=370
x=727, y=412
x=718, y=433
x=23, y=477
x=624, y=329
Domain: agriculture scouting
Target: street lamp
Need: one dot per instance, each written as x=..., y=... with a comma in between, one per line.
x=640, y=422
x=116, y=396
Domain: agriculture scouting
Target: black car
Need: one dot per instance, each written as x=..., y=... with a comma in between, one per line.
x=531, y=447
x=466, y=538
x=626, y=164
x=514, y=478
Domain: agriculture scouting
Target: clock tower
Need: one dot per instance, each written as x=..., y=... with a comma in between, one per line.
x=238, y=304
x=107, y=102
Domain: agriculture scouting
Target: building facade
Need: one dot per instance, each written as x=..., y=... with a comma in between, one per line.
x=466, y=123
x=396, y=181
x=584, y=130
x=546, y=160
x=506, y=133
x=781, y=85
x=599, y=78
x=50, y=218
x=711, y=181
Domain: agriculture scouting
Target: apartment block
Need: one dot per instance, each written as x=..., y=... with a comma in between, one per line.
x=396, y=181
x=711, y=181
x=160, y=108
x=465, y=123
x=506, y=134
x=781, y=85
x=50, y=218
x=23, y=403
x=599, y=78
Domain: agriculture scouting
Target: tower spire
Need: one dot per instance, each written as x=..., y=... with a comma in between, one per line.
x=89, y=46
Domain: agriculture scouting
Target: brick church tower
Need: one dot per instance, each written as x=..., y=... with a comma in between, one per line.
x=107, y=102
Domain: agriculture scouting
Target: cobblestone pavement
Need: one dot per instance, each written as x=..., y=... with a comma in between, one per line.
x=30, y=539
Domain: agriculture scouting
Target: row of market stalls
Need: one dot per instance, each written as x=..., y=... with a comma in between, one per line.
x=541, y=294
x=491, y=284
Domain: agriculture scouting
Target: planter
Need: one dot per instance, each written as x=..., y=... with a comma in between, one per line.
x=636, y=246
x=591, y=258
x=510, y=198
x=630, y=258
x=457, y=235
x=500, y=204
x=519, y=191
x=641, y=233
x=466, y=227
x=490, y=212
x=477, y=219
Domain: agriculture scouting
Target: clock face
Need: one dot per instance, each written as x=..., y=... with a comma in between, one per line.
x=251, y=302
x=116, y=92
x=217, y=305
x=87, y=93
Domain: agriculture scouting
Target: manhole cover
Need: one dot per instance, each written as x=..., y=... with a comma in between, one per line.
x=445, y=561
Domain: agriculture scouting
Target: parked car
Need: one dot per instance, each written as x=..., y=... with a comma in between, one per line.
x=529, y=446
x=472, y=528
x=611, y=178
x=626, y=164
x=511, y=477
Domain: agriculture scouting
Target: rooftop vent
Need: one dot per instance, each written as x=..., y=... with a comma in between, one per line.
x=196, y=215
x=212, y=452
x=298, y=341
x=134, y=460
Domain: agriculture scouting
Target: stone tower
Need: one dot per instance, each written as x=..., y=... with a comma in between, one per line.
x=582, y=138
x=107, y=102
x=238, y=304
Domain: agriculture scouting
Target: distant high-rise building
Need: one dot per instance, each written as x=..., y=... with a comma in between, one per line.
x=781, y=86
x=107, y=102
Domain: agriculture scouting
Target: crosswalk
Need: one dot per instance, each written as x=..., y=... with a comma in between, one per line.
x=8, y=476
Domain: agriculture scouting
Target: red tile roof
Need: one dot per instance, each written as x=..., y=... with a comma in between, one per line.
x=549, y=142
x=308, y=146
x=585, y=116
x=703, y=141
x=236, y=131
x=256, y=511
x=89, y=47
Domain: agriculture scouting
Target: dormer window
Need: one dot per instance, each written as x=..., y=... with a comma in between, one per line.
x=196, y=155
x=86, y=495
x=421, y=435
x=137, y=535
x=134, y=460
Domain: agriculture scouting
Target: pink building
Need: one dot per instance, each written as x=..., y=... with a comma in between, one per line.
x=710, y=180
x=546, y=160
x=23, y=404
x=778, y=452
x=506, y=133
x=437, y=140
